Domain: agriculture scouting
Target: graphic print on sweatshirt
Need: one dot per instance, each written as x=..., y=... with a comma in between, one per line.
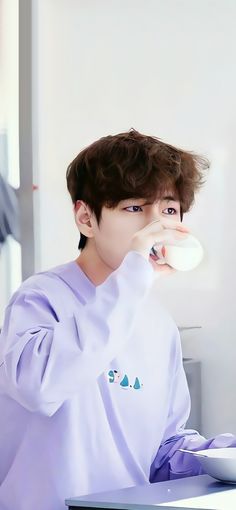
x=123, y=380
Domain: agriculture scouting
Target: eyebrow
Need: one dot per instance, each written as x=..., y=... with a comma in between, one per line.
x=167, y=198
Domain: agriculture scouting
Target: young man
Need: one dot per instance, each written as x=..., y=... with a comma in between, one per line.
x=93, y=394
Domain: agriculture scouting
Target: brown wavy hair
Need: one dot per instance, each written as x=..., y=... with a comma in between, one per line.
x=133, y=165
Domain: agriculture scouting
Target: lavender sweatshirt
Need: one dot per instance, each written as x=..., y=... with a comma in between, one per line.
x=93, y=394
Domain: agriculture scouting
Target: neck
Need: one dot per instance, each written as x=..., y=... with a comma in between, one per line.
x=93, y=267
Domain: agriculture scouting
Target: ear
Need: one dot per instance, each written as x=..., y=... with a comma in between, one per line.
x=82, y=218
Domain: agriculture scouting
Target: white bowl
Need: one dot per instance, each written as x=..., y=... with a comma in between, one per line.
x=219, y=463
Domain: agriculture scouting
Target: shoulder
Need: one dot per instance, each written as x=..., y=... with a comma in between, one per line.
x=40, y=280
x=45, y=288
x=37, y=303
x=44, y=298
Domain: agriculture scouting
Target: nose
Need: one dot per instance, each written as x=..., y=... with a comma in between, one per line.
x=155, y=213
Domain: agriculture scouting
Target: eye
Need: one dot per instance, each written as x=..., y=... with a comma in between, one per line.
x=134, y=207
x=170, y=211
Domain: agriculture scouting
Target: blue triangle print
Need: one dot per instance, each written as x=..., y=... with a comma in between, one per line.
x=137, y=385
x=125, y=381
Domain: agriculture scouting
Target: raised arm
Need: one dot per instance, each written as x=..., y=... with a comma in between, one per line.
x=44, y=359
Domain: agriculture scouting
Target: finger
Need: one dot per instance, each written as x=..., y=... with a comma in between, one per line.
x=167, y=236
x=163, y=269
x=175, y=225
x=157, y=225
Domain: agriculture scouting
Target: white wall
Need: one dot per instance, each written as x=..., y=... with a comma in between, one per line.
x=167, y=69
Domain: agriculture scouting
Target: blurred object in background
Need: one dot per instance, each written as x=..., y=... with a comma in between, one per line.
x=9, y=212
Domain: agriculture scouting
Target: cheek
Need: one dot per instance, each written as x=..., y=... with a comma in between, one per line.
x=173, y=217
x=108, y=237
x=119, y=229
x=114, y=239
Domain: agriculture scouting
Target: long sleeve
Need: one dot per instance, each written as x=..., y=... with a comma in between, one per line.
x=169, y=463
x=44, y=359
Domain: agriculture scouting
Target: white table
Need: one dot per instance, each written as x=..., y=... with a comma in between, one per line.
x=195, y=492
